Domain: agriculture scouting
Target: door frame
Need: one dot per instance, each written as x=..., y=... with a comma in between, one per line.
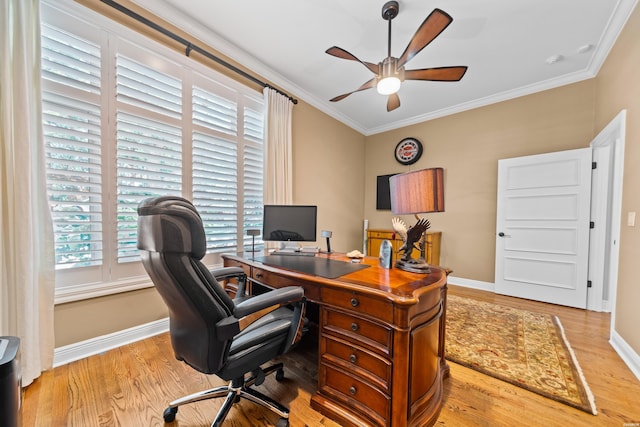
x=605, y=262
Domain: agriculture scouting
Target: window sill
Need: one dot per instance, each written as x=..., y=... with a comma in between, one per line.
x=92, y=290
x=84, y=291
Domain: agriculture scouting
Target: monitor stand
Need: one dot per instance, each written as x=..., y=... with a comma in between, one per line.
x=288, y=247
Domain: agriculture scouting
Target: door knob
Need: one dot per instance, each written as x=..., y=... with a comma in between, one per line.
x=501, y=234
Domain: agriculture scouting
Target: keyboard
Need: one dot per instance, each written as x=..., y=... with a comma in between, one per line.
x=295, y=253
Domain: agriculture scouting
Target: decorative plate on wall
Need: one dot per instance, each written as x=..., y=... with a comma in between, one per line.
x=408, y=151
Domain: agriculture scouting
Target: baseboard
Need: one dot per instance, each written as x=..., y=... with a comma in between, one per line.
x=469, y=283
x=626, y=353
x=80, y=350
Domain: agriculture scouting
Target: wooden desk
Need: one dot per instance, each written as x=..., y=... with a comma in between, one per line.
x=381, y=341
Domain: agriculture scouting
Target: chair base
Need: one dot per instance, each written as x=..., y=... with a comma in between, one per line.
x=234, y=391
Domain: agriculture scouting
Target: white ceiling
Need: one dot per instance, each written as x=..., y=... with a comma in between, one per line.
x=505, y=44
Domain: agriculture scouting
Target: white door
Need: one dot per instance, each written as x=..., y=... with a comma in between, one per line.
x=542, y=242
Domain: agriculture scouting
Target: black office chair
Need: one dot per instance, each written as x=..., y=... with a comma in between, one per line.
x=209, y=331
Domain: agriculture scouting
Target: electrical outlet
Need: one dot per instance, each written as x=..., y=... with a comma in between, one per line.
x=631, y=219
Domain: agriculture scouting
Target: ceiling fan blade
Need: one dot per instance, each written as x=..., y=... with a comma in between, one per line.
x=430, y=28
x=393, y=102
x=441, y=74
x=368, y=85
x=341, y=53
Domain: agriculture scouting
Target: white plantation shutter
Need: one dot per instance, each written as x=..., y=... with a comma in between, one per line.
x=126, y=119
x=70, y=60
x=141, y=86
x=214, y=112
x=72, y=138
x=148, y=164
x=215, y=172
x=149, y=152
x=253, y=167
x=215, y=189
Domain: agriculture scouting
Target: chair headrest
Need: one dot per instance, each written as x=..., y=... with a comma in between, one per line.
x=170, y=224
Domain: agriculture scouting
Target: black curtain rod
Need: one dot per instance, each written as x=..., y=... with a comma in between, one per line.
x=191, y=47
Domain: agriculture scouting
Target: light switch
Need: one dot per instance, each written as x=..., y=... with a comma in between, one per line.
x=631, y=219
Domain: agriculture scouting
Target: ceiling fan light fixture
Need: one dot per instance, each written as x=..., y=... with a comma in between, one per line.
x=388, y=85
x=390, y=77
x=390, y=72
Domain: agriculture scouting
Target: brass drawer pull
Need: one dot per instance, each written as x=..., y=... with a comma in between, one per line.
x=353, y=358
x=258, y=275
x=353, y=390
x=354, y=327
x=354, y=302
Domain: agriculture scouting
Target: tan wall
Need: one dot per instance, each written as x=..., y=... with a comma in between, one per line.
x=468, y=146
x=83, y=320
x=618, y=88
x=328, y=171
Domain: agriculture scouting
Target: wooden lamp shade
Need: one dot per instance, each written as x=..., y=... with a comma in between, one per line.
x=417, y=192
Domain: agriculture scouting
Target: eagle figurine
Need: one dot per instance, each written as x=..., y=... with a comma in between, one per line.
x=410, y=236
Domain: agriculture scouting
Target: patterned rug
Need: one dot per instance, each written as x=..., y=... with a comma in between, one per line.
x=526, y=349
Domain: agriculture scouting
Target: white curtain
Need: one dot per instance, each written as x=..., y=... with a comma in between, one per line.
x=26, y=253
x=278, y=186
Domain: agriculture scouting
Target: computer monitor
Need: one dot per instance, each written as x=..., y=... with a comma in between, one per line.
x=295, y=223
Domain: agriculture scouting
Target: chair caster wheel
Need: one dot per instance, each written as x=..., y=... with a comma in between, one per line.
x=280, y=375
x=169, y=414
x=282, y=422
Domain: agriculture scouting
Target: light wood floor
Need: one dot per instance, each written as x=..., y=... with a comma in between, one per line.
x=130, y=386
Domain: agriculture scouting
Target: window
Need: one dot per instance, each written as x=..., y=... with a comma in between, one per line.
x=126, y=119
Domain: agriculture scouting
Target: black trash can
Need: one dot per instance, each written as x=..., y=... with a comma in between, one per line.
x=10, y=382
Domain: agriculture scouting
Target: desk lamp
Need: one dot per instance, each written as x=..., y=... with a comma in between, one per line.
x=253, y=232
x=413, y=193
x=327, y=234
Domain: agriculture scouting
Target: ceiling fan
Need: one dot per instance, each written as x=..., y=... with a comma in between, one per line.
x=390, y=72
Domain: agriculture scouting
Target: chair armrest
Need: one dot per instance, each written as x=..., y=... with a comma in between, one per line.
x=227, y=272
x=250, y=310
x=276, y=297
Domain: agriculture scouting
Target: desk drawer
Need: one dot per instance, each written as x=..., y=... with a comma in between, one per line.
x=353, y=392
x=380, y=234
x=357, y=359
x=356, y=302
x=234, y=263
x=369, y=334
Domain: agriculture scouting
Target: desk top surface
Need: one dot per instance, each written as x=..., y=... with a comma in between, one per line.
x=312, y=265
x=368, y=275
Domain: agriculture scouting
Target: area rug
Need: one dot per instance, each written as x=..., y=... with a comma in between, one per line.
x=526, y=349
